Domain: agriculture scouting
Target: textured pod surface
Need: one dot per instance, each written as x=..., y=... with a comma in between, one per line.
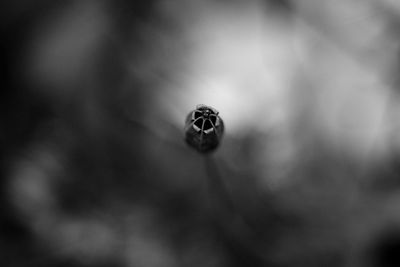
x=204, y=128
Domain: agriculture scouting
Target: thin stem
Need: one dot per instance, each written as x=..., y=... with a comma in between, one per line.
x=229, y=222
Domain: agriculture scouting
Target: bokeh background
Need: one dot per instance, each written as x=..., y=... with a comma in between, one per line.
x=94, y=169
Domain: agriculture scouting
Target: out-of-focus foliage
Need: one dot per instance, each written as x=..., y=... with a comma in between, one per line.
x=94, y=169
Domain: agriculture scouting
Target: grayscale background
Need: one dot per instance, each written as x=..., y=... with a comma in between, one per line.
x=94, y=170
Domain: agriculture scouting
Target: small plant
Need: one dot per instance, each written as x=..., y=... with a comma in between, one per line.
x=204, y=129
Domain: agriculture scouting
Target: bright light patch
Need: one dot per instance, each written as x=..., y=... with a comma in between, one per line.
x=241, y=64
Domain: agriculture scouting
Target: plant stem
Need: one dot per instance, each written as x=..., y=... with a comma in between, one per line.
x=231, y=226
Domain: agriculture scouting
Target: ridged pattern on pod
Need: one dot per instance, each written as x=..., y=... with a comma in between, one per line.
x=204, y=128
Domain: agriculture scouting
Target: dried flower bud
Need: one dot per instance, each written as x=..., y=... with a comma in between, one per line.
x=204, y=128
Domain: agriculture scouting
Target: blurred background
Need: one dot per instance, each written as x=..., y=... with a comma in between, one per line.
x=94, y=169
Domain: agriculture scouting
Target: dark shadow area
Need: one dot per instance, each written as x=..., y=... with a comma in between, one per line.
x=94, y=166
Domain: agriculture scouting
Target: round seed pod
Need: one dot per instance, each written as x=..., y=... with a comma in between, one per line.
x=203, y=129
